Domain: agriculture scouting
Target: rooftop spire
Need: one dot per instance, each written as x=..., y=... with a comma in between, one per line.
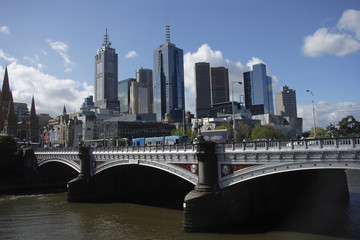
x=167, y=33
x=106, y=39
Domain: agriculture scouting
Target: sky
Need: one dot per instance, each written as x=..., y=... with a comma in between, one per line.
x=49, y=47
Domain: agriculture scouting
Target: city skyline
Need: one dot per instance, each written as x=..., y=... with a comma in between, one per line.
x=51, y=56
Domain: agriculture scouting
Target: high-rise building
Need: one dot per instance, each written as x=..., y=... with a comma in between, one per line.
x=202, y=89
x=258, y=91
x=285, y=102
x=124, y=94
x=106, y=76
x=146, y=76
x=219, y=85
x=168, y=81
x=139, y=98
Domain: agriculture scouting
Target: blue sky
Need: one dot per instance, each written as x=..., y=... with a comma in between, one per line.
x=49, y=47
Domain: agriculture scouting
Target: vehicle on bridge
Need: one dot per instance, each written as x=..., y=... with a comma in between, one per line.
x=159, y=141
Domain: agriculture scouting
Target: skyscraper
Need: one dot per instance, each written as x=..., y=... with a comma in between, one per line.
x=202, y=89
x=106, y=76
x=258, y=91
x=146, y=76
x=219, y=85
x=124, y=94
x=168, y=80
x=285, y=102
x=139, y=98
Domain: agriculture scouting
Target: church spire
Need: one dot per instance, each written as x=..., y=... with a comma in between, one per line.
x=5, y=99
x=32, y=110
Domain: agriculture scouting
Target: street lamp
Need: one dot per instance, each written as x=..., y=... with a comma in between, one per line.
x=232, y=104
x=313, y=111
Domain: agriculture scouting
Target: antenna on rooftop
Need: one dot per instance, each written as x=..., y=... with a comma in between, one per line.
x=167, y=33
x=106, y=39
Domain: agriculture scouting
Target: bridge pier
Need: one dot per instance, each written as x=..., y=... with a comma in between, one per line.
x=80, y=189
x=259, y=202
x=201, y=205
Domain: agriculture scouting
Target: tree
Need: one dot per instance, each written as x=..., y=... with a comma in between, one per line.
x=243, y=131
x=332, y=130
x=189, y=133
x=320, y=133
x=348, y=126
x=266, y=132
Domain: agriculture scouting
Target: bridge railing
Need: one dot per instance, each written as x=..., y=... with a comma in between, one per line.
x=301, y=144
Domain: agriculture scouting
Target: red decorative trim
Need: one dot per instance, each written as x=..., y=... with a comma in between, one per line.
x=234, y=168
x=186, y=167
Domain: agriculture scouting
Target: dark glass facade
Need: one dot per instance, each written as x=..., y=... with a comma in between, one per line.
x=168, y=82
x=219, y=85
x=202, y=89
x=258, y=91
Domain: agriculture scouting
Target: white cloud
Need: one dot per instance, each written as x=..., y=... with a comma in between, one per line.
x=4, y=56
x=254, y=61
x=326, y=112
x=216, y=59
x=35, y=61
x=4, y=30
x=341, y=41
x=350, y=21
x=51, y=93
x=62, y=48
x=131, y=54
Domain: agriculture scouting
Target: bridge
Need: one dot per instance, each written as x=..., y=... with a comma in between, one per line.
x=237, y=162
x=213, y=168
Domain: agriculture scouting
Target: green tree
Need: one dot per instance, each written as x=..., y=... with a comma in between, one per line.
x=332, y=130
x=320, y=133
x=243, y=131
x=266, y=132
x=189, y=133
x=348, y=126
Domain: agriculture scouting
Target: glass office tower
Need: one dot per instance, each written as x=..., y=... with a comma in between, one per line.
x=106, y=76
x=202, y=89
x=258, y=91
x=168, y=81
x=219, y=85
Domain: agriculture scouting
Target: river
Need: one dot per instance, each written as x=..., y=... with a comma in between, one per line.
x=51, y=216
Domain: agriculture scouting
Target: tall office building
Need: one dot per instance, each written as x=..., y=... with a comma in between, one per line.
x=258, y=91
x=124, y=94
x=146, y=76
x=202, y=89
x=219, y=85
x=285, y=102
x=106, y=76
x=139, y=98
x=168, y=81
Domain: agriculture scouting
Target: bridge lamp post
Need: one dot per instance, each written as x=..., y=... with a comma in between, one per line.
x=232, y=105
x=312, y=94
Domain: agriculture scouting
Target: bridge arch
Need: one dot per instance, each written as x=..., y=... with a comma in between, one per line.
x=277, y=168
x=170, y=168
x=69, y=163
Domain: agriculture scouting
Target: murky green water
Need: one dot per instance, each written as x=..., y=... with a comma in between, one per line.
x=51, y=216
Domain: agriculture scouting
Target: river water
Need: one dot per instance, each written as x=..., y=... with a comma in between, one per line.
x=51, y=216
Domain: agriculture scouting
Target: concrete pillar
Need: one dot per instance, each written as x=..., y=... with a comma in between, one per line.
x=202, y=206
x=80, y=188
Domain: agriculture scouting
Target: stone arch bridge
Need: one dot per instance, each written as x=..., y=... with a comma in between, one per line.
x=221, y=172
x=236, y=162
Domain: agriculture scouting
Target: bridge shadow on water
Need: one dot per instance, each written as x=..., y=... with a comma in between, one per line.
x=141, y=185
x=314, y=202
